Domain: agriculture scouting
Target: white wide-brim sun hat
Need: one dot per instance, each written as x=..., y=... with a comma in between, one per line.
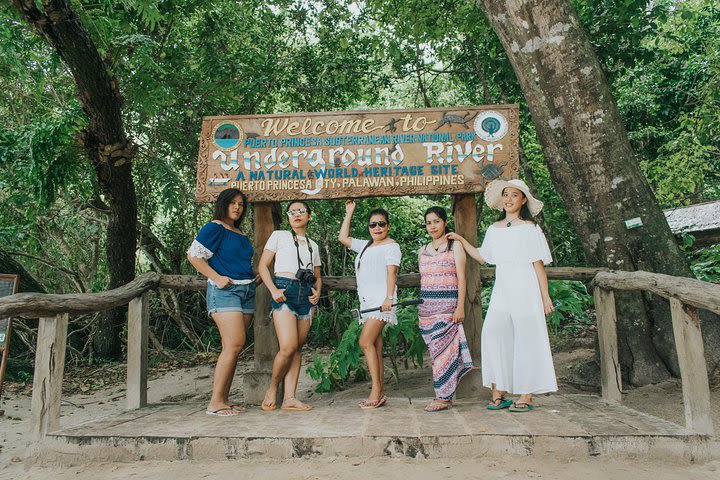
x=494, y=191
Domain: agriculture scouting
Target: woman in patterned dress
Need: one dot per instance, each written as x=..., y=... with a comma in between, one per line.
x=442, y=287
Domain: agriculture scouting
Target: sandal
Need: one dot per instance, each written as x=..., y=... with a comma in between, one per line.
x=238, y=408
x=499, y=403
x=369, y=404
x=267, y=407
x=222, y=412
x=438, y=404
x=521, y=407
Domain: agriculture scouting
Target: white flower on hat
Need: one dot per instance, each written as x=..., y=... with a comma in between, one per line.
x=494, y=191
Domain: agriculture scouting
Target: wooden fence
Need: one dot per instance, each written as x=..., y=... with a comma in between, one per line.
x=685, y=295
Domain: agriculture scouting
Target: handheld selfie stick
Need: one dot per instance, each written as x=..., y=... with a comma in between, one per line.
x=356, y=313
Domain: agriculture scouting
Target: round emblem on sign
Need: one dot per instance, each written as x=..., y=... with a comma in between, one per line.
x=491, y=126
x=228, y=135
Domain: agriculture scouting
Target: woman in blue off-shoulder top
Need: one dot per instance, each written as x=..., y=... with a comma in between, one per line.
x=223, y=253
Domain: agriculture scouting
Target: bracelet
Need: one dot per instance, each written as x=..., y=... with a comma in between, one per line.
x=390, y=298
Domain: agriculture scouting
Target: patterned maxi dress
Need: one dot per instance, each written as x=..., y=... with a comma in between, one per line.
x=446, y=340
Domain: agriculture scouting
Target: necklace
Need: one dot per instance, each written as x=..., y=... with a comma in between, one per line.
x=437, y=249
x=509, y=224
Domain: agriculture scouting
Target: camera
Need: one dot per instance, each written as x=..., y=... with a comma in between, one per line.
x=305, y=275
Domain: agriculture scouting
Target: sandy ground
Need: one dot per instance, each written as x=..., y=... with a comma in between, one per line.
x=663, y=400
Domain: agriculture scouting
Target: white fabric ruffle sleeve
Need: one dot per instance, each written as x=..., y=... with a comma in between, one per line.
x=393, y=255
x=487, y=248
x=538, y=248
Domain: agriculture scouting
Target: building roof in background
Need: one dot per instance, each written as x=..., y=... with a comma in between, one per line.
x=700, y=217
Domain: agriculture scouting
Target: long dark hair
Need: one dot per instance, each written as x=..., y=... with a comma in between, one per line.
x=524, y=211
x=223, y=202
x=440, y=212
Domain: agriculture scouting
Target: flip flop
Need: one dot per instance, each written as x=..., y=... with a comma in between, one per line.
x=238, y=408
x=499, y=404
x=438, y=405
x=303, y=407
x=521, y=407
x=370, y=404
x=267, y=407
x=218, y=413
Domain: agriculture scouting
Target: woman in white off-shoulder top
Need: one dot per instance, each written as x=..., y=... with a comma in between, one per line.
x=516, y=355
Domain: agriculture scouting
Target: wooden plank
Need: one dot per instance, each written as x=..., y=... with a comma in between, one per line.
x=48, y=375
x=358, y=153
x=691, y=291
x=465, y=213
x=137, y=351
x=36, y=305
x=406, y=280
x=610, y=377
x=693, y=371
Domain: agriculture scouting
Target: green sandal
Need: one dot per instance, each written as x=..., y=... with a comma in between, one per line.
x=499, y=403
x=521, y=407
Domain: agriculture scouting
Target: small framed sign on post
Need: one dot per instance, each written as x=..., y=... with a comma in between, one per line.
x=8, y=286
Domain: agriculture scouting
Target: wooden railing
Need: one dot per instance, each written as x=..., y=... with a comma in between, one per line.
x=685, y=295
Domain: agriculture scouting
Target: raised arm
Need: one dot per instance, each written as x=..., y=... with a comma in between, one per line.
x=471, y=251
x=344, y=236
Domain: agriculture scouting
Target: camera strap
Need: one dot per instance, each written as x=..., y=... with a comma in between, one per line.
x=297, y=250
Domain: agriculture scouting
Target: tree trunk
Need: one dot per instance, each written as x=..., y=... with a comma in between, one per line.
x=109, y=149
x=595, y=172
x=10, y=266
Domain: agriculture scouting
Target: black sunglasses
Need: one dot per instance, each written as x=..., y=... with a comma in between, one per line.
x=377, y=224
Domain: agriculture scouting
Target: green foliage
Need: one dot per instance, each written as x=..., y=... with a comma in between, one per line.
x=342, y=364
x=176, y=62
x=572, y=302
x=705, y=262
x=400, y=342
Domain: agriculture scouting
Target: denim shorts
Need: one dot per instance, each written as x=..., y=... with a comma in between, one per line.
x=232, y=298
x=296, y=298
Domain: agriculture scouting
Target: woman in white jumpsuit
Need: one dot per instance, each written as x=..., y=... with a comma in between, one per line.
x=516, y=355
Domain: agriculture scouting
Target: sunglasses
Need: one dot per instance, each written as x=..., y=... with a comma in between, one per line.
x=297, y=211
x=377, y=224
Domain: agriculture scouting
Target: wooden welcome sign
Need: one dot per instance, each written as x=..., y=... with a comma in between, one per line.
x=358, y=153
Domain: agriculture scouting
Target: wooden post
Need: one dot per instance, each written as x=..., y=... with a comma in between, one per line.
x=466, y=225
x=48, y=376
x=255, y=383
x=137, y=351
x=8, y=286
x=4, y=356
x=610, y=376
x=693, y=371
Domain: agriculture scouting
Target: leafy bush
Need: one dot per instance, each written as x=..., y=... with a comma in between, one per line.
x=343, y=364
x=571, y=300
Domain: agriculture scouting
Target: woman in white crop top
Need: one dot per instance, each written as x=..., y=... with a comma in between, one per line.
x=295, y=290
x=376, y=269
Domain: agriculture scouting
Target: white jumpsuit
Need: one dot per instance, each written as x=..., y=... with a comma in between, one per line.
x=515, y=346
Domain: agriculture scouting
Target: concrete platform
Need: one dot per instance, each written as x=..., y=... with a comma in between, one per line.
x=565, y=426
